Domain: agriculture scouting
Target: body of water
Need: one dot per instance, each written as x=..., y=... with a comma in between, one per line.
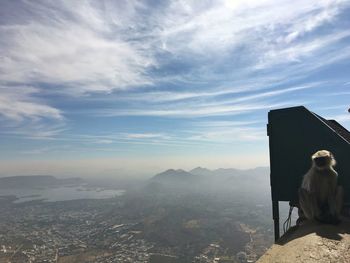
x=60, y=193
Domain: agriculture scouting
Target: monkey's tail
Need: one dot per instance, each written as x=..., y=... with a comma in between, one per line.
x=288, y=222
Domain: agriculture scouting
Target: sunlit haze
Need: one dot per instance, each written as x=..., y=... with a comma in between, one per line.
x=124, y=88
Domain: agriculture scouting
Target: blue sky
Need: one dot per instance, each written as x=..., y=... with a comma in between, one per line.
x=134, y=87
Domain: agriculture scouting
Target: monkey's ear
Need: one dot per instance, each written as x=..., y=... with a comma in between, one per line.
x=331, y=155
x=334, y=162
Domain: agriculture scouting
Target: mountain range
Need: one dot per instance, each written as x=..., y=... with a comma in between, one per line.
x=200, y=173
x=219, y=179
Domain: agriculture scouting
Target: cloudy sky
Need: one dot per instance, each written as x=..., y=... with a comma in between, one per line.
x=123, y=87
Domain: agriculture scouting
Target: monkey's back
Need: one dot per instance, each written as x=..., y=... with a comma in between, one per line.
x=323, y=184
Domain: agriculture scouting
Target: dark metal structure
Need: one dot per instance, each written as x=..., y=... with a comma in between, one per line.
x=294, y=135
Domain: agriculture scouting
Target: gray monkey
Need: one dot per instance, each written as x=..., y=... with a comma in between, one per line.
x=320, y=198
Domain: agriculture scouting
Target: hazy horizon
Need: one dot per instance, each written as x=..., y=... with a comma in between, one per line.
x=110, y=174
x=109, y=88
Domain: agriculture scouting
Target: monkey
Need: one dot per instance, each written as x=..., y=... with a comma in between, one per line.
x=320, y=198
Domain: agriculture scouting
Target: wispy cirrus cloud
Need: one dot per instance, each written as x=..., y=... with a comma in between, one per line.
x=90, y=46
x=164, y=73
x=193, y=105
x=18, y=103
x=343, y=118
x=192, y=111
x=283, y=54
x=259, y=25
x=69, y=49
x=242, y=134
x=145, y=136
x=23, y=114
x=239, y=94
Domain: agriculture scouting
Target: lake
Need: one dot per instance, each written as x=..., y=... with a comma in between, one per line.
x=62, y=193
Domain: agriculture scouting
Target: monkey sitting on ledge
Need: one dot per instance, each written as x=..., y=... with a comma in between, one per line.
x=320, y=198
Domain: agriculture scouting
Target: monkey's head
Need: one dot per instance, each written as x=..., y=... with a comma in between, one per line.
x=323, y=159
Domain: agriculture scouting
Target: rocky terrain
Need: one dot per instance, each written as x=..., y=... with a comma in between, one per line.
x=310, y=243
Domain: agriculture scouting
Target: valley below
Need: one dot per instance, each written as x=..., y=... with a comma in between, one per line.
x=176, y=216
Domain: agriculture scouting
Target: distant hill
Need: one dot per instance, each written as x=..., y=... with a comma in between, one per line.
x=172, y=175
x=229, y=172
x=36, y=181
x=204, y=173
x=203, y=178
x=201, y=171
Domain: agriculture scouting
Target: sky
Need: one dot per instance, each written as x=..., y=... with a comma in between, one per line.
x=122, y=88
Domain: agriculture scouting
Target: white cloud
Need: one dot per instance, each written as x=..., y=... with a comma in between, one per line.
x=18, y=103
x=172, y=96
x=25, y=115
x=283, y=54
x=225, y=124
x=232, y=135
x=184, y=104
x=82, y=47
x=82, y=53
x=220, y=26
x=261, y=97
x=90, y=46
x=194, y=110
x=145, y=136
x=342, y=118
x=104, y=141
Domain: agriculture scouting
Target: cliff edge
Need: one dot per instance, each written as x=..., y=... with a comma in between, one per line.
x=312, y=242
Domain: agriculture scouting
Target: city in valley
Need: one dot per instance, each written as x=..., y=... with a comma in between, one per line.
x=176, y=216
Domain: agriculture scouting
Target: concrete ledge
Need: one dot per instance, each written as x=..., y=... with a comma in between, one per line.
x=312, y=242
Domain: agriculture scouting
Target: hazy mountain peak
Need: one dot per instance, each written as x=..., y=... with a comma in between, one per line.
x=199, y=168
x=173, y=175
x=173, y=172
x=201, y=171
